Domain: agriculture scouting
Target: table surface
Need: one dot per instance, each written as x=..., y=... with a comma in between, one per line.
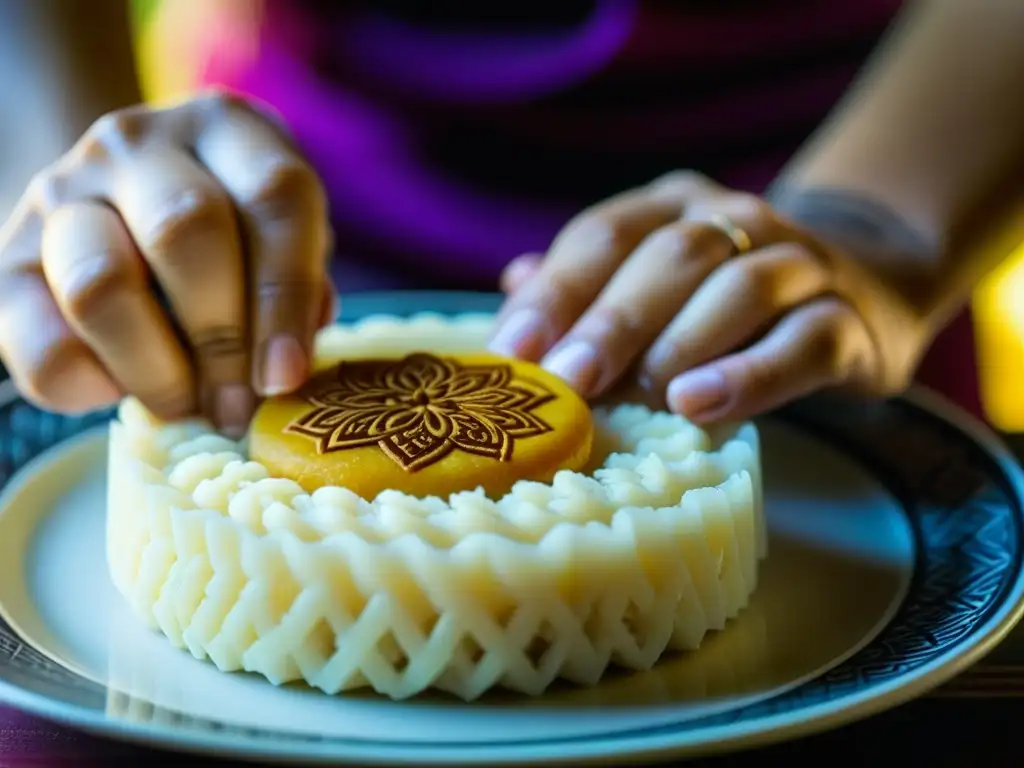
x=970, y=721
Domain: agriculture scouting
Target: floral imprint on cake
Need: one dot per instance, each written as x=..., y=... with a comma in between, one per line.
x=421, y=408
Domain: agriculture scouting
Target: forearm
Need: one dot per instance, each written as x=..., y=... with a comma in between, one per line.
x=927, y=149
x=63, y=63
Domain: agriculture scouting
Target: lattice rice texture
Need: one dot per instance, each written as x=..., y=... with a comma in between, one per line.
x=656, y=547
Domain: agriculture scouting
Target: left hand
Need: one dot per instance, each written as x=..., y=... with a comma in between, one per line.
x=713, y=299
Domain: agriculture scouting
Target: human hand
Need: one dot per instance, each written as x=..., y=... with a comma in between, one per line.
x=715, y=301
x=207, y=203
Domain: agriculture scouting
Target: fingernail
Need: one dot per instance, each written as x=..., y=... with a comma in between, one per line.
x=576, y=363
x=284, y=366
x=521, y=335
x=698, y=394
x=234, y=409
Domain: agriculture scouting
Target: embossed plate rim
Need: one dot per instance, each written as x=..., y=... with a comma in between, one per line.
x=1000, y=617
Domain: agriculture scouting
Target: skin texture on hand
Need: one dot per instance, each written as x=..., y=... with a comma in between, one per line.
x=210, y=203
x=650, y=285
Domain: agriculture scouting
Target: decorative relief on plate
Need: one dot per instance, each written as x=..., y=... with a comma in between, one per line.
x=25, y=432
x=419, y=409
x=971, y=546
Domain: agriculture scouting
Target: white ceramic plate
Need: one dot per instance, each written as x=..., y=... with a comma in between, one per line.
x=888, y=572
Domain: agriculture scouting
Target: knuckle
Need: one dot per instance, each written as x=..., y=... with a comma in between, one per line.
x=219, y=343
x=299, y=291
x=696, y=241
x=89, y=284
x=185, y=214
x=282, y=190
x=675, y=242
x=598, y=234
x=618, y=322
x=755, y=282
x=116, y=131
x=47, y=190
x=219, y=103
x=680, y=181
x=292, y=302
x=743, y=206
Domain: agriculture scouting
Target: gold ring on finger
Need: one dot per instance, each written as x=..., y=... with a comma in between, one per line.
x=740, y=239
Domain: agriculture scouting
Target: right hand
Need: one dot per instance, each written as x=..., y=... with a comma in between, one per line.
x=208, y=202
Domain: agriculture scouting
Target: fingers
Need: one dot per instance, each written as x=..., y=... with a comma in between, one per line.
x=581, y=261
x=283, y=213
x=740, y=299
x=647, y=291
x=638, y=301
x=819, y=345
x=48, y=363
x=183, y=223
x=98, y=280
x=213, y=202
x=750, y=213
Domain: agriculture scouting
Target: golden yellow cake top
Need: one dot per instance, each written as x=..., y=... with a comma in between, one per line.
x=425, y=424
x=419, y=409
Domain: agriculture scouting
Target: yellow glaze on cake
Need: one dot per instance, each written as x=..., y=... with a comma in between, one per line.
x=424, y=424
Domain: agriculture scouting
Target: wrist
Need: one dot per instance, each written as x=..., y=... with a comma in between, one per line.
x=851, y=218
x=910, y=260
